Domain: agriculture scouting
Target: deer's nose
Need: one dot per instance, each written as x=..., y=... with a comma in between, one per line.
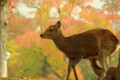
x=41, y=35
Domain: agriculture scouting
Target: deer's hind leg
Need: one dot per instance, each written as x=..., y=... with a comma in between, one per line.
x=103, y=61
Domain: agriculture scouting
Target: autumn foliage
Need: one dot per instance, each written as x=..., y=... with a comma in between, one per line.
x=39, y=59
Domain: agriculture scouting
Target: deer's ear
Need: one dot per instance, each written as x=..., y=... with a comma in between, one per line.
x=58, y=24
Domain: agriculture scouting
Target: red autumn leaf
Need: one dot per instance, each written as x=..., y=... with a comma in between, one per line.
x=11, y=7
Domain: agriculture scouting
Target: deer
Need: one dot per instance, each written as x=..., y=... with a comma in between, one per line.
x=95, y=43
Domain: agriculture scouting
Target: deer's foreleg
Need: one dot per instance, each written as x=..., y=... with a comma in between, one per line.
x=76, y=77
x=69, y=69
x=72, y=64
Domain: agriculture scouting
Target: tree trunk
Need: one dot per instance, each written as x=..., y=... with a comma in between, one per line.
x=3, y=37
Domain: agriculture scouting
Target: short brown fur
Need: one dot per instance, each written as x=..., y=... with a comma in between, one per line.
x=95, y=43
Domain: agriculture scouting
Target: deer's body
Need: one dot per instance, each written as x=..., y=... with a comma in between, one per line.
x=86, y=45
x=96, y=43
x=111, y=73
x=77, y=46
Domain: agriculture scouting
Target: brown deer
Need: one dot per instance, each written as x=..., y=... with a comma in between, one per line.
x=111, y=73
x=95, y=43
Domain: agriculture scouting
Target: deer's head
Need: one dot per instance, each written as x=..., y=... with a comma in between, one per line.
x=52, y=32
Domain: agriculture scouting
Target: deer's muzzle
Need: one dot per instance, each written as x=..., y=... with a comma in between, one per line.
x=42, y=36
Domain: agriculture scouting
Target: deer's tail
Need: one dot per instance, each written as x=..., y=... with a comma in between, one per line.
x=97, y=70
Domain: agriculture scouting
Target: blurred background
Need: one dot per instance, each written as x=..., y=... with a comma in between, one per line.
x=33, y=57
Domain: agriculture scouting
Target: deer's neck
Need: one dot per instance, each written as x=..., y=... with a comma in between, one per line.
x=60, y=41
